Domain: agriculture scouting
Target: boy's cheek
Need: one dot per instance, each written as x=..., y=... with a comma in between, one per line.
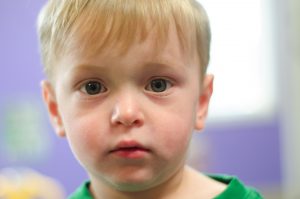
x=175, y=132
x=84, y=139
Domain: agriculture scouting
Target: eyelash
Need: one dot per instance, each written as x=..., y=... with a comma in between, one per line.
x=158, y=82
x=94, y=84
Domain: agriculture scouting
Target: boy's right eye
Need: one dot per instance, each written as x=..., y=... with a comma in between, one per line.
x=93, y=88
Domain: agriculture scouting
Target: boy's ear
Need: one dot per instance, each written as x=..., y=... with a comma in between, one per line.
x=203, y=103
x=52, y=107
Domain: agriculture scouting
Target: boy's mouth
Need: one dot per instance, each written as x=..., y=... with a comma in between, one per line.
x=129, y=149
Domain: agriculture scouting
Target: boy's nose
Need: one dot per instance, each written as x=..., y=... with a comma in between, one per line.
x=127, y=112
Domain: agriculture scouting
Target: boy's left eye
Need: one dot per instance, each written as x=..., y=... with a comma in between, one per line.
x=158, y=85
x=93, y=88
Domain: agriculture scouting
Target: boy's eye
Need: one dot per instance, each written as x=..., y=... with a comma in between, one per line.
x=93, y=88
x=158, y=85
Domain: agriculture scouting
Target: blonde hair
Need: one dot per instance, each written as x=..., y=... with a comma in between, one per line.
x=99, y=23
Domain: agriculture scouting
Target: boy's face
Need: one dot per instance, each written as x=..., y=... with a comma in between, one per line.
x=129, y=118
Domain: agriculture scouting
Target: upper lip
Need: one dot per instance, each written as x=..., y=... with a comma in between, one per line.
x=127, y=145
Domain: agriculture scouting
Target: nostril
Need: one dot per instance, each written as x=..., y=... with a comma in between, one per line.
x=127, y=117
x=129, y=122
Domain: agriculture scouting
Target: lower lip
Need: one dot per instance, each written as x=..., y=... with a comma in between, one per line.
x=131, y=154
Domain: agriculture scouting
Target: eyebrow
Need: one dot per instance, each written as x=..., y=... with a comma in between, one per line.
x=168, y=66
x=87, y=68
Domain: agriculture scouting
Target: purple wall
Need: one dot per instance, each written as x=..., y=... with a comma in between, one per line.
x=249, y=150
x=21, y=73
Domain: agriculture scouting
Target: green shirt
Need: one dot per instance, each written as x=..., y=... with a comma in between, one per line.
x=235, y=189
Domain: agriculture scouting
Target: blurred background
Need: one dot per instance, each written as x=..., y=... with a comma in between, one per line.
x=253, y=130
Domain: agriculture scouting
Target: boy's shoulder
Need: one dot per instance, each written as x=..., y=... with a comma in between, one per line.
x=235, y=189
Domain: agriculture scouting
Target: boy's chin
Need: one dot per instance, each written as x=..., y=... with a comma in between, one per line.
x=134, y=183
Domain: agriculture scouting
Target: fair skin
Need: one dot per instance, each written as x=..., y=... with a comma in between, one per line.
x=129, y=118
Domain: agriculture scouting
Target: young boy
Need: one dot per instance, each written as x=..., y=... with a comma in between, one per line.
x=127, y=85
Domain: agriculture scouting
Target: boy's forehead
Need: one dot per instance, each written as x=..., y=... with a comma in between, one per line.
x=92, y=44
x=149, y=52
